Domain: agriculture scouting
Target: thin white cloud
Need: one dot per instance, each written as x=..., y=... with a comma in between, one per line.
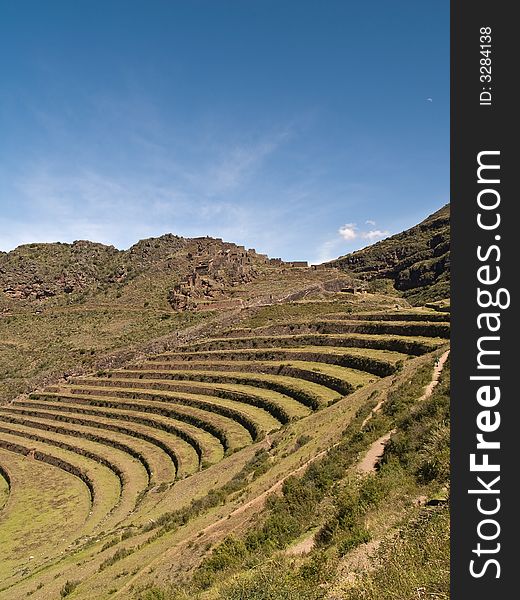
x=79, y=203
x=374, y=234
x=334, y=247
x=238, y=163
x=370, y=222
x=348, y=231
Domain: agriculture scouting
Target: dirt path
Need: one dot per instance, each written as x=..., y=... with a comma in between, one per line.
x=374, y=411
x=375, y=452
x=439, y=365
x=223, y=525
x=369, y=462
x=303, y=547
x=227, y=523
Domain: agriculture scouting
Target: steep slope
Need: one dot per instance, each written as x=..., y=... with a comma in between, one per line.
x=416, y=260
x=175, y=452
x=71, y=308
x=206, y=406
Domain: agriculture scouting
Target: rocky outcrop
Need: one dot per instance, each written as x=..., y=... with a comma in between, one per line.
x=219, y=266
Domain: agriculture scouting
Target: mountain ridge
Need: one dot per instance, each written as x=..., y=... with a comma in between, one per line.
x=416, y=261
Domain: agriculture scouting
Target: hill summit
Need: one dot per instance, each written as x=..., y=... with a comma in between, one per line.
x=415, y=261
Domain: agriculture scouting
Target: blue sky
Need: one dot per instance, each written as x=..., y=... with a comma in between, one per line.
x=304, y=129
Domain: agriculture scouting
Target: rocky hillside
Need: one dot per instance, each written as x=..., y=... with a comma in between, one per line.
x=417, y=260
x=67, y=273
x=191, y=419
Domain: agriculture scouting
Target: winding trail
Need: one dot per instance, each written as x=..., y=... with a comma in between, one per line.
x=228, y=522
x=369, y=462
x=439, y=365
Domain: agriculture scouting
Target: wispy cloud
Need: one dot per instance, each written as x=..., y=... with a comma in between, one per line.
x=175, y=195
x=374, y=234
x=348, y=231
x=334, y=247
x=238, y=163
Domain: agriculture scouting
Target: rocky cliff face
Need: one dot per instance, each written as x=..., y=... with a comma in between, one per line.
x=39, y=271
x=416, y=260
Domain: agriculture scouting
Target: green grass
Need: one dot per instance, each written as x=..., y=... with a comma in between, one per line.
x=207, y=446
x=38, y=345
x=340, y=379
x=418, y=314
x=229, y=432
x=343, y=326
x=4, y=489
x=176, y=449
x=281, y=406
x=377, y=362
x=106, y=485
x=355, y=377
x=157, y=463
x=198, y=395
x=296, y=310
x=306, y=392
x=41, y=496
x=416, y=346
x=130, y=472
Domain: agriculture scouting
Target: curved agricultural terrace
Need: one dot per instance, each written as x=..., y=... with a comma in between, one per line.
x=107, y=452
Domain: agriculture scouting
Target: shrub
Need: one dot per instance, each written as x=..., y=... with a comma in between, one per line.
x=356, y=536
x=277, y=580
x=414, y=565
x=119, y=554
x=68, y=588
x=127, y=533
x=302, y=440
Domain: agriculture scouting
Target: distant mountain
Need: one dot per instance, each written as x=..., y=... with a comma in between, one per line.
x=417, y=260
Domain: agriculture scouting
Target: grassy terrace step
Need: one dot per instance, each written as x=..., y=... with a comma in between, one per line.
x=184, y=457
x=405, y=344
x=16, y=429
x=432, y=317
x=232, y=434
x=376, y=362
x=103, y=485
x=208, y=448
x=41, y=496
x=132, y=476
x=406, y=328
x=282, y=407
x=156, y=462
x=256, y=420
x=126, y=468
x=307, y=392
x=339, y=379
